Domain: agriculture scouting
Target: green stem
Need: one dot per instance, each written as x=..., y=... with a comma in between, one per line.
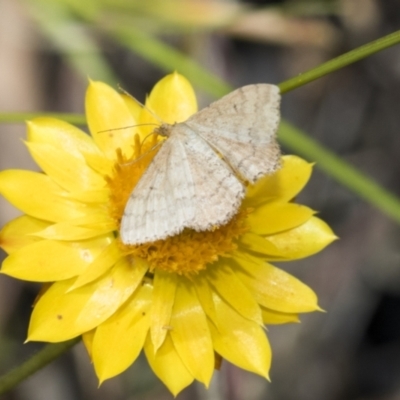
x=49, y=353
x=170, y=59
x=339, y=170
x=78, y=47
x=340, y=62
x=77, y=119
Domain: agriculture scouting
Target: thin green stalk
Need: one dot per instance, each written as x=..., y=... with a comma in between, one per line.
x=341, y=61
x=77, y=119
x=170, y=59
x=339, y=170
x=71, y=39
x=49, y=353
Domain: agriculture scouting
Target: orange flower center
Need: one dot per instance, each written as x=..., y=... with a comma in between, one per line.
x=186, y=253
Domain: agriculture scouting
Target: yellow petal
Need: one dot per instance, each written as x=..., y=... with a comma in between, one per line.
x=240, y=341
x=283, y=185
x=304, y=240
x=273, y=288
x=89, y=226
x=133, y=105
x=104, y=261
x=95, y=224
x=163, y=301
x=205, y=296
x=49, y=260
x=119, y=340
x=87, y=339
x=277, y=217
x=61, y=315
x=61, y=135
x=69, y=171
x=271, y=317
x=168, y=366
x=16, y=233
x=231, y=289
x=190, y=334
x=65, y=231
x=107, y=113
x=91, y=196
x=255, y=243
x=38, y=196
x=173, y=99
x=68, y=138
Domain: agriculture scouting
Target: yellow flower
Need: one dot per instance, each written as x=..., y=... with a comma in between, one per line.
x=187, y=301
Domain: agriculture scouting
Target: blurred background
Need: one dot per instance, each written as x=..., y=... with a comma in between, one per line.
x=48, y=49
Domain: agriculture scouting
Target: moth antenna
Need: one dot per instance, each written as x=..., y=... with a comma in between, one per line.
x=141, y=104
x=150, y=134
x=126, y=127
x=147, y=152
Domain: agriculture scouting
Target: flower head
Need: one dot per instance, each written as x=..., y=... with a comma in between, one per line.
x=188, y=300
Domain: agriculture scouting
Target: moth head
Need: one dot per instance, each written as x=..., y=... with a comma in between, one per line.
x=163, y=130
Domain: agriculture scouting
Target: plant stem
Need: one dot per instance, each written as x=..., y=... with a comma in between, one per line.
x=340, y=62
x=77, y=119
x=170, y=59
x=340, y=170
x=49, y=353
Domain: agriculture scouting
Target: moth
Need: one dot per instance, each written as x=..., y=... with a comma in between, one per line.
x=197, y=179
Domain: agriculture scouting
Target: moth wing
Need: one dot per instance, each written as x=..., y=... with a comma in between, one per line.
x=186, y=186
x=242, y=127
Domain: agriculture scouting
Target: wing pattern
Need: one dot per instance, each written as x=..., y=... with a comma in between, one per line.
x=186, y=186
x=242, y=128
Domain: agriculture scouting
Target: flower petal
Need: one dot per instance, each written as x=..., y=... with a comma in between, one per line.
x=68, y=138
x=273, y=288
x=61, y=315
x=240, y=341
x=168, y=366
x=173, y=99
x=91, y=225
x=91, y=196
x=74, y=229
x=49, y=260
x=232, y=290
x=133, y=105
x=66, y=231
x=103, y=262
x=271, y=317
x=163, y=301
x=87, y=339
x=304, y=240
x=205, y=296
x=119, y=340
x=16, y=233
x=67, y=170
x=190, y=333
x=277, y=217
x=283, y=185
x=252, y=242
x=106, y=114
x=38, y=196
